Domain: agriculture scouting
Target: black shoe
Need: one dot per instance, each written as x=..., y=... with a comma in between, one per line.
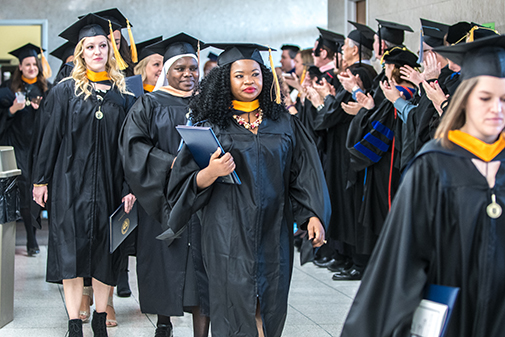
x=75, y=328
x=297, y=242
x=123, y=288
x=339, y=265
x=348, y=275
x=99, y=325
x=33, y=251
x=163, y=330
x=324, y=261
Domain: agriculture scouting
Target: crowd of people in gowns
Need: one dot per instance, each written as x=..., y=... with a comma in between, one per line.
x=388, y=161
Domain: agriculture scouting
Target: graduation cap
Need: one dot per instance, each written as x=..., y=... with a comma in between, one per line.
x=179, y=44
x=30, y=49
x=392, y=32
x=363, y=35
x=432, y=33
x=64, y=51
x=246, y=51
x=329, y=39
x=458, y=32
x=92, y=25
x=26, y=51
x=89, y=25
x=478, y=32
x=143, y=47
x=400, y=56
x=212, y=57
x=483, y=57
x=115, y=16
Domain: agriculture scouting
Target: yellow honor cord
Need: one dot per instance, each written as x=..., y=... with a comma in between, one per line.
x=133, y=47
x=120, y=62
x=484, y=151
x=29, y=81
x=245, y=106
x=276, y=80
x=97, y=77
x=46, y=68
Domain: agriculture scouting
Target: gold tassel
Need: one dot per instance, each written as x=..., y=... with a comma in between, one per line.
x=120, y=62
x=198, y=52
x=471, y=36
x=133, y=47
x=46, y=68
x=276, y=80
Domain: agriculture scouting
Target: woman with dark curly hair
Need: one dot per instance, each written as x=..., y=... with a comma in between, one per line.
x=247, y=229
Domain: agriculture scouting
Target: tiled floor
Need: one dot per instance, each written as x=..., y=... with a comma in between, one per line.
x=317, y=305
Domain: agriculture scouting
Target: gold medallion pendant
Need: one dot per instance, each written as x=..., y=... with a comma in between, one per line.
x=99, y=114
x=493, y=209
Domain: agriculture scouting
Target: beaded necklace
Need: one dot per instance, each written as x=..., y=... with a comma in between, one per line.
x=246, y=124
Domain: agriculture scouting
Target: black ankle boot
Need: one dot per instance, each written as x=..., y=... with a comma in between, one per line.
x=75, y=328
x=98, y=324
x=164, y=330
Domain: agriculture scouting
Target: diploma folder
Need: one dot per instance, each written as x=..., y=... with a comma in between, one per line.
x=121, y=225
x=433, y=314
x=202, y=143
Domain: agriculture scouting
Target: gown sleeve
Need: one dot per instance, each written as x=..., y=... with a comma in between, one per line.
x=146, y=167
x=55, y=109
x=393, y=283
x=182, y=193
x=307, y=186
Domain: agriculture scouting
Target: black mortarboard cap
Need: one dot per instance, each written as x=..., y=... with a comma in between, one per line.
x=179, y=44
x=144, y=50
x=26, y=51
x=478, y=32
x=88, y=26
x=64, y=51
x=483, y=57
x=433, y=32
x=457, y=33
x=392, y=31
x=400, y=56
x=363, y=35
x=330, y=39
x=212, y=57
x=114, y=15
x=238, y=51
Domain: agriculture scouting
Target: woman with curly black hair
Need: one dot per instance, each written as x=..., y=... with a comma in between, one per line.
x=247, y=228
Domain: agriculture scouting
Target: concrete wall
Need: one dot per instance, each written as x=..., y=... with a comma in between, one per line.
x=263, y=21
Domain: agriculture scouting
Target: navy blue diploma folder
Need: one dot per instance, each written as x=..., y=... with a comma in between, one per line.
x=202, y=143
x=121, y=225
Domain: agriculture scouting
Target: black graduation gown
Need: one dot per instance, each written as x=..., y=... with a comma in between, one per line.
x=148, y=145
x=335, y=122
x=64, y=71
x=423, y=120
x=20, y=129
x=78, y=157
x=247, y=229
x=438, y=232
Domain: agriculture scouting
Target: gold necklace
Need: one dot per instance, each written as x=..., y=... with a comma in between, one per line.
x=246, y=124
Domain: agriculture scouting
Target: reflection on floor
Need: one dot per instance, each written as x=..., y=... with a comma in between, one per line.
x=317, y=305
